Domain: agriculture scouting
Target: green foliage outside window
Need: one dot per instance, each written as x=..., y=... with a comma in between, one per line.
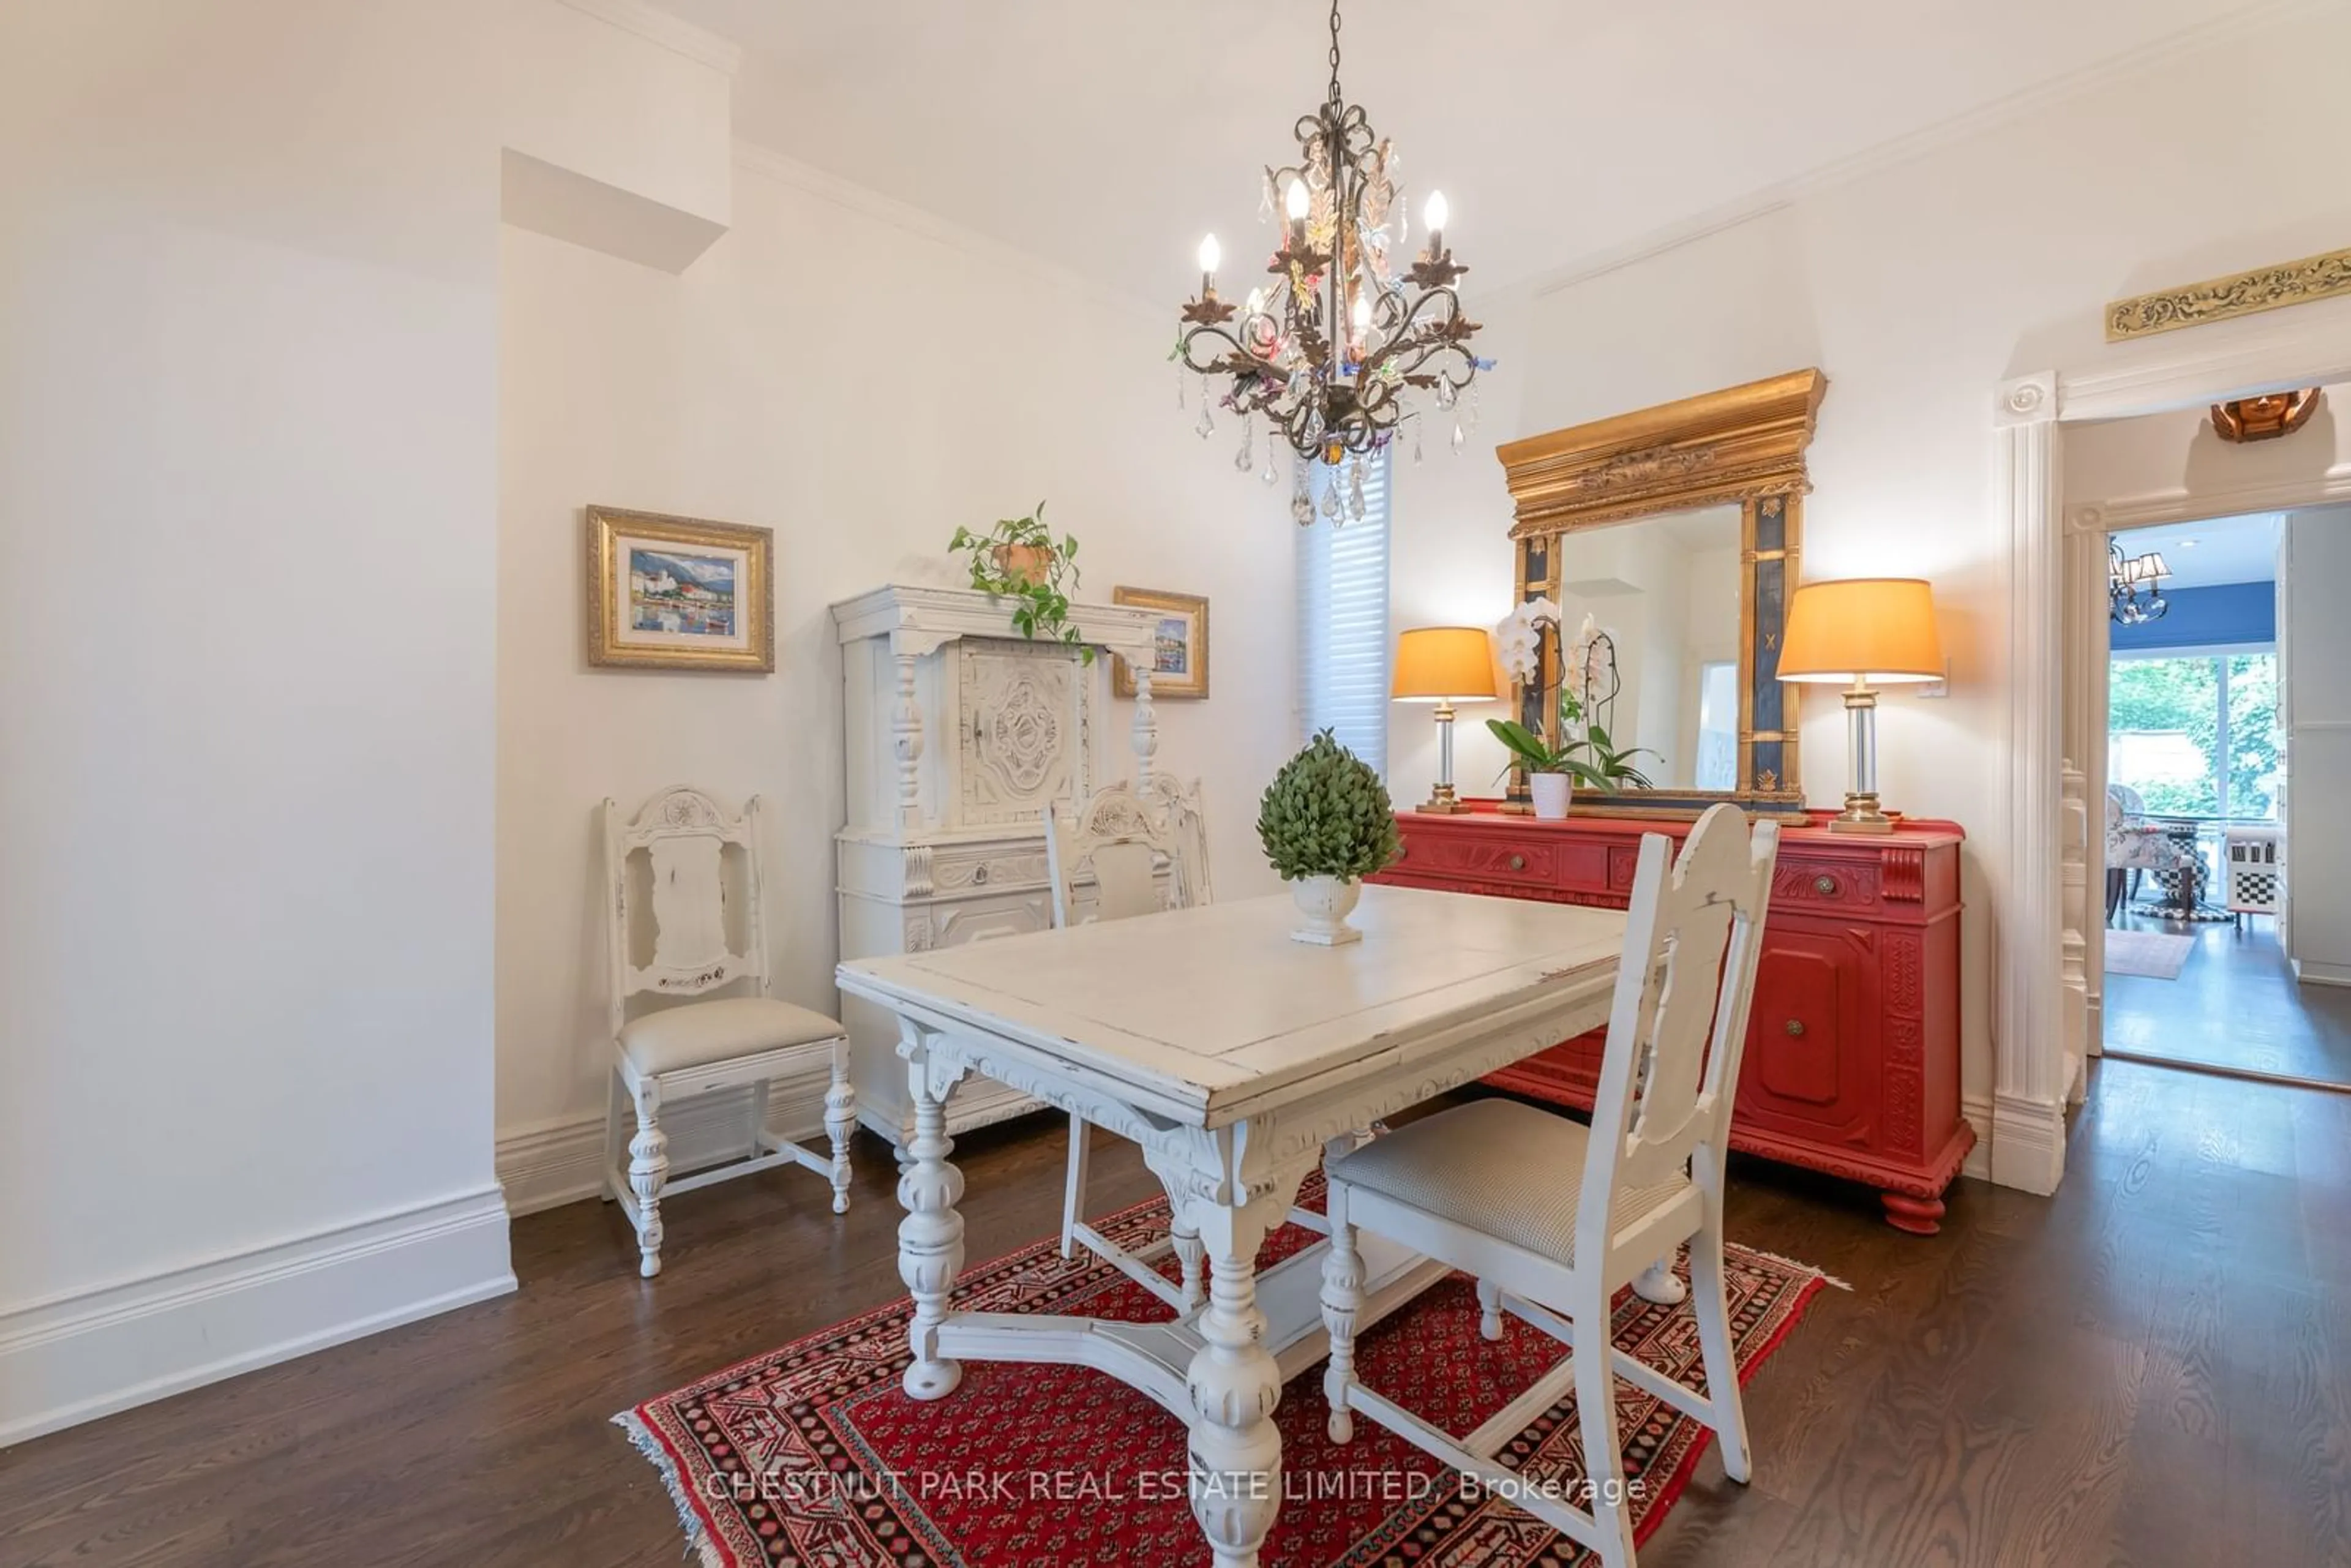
x=2155, y=697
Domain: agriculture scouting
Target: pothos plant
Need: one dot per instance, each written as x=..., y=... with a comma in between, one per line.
x=1584, y=750
x=1021, y=560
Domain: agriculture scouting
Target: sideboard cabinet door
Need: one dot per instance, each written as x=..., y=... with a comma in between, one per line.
x=1810, y=1068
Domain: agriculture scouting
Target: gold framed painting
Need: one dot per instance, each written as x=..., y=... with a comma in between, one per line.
x=679, y=593
x=1181, y=666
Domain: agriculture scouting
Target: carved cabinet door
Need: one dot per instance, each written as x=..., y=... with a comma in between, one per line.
x=1018, y=704
x=1811, y=1060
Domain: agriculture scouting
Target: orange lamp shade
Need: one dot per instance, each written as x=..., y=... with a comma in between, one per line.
x=1442, y=664
x=1864, y=629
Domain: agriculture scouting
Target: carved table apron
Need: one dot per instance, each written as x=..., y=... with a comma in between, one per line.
x=1234, y=1057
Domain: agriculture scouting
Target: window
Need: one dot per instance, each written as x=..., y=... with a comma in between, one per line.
x=1717, y=726
x=2197, y=735
x=1343, y=620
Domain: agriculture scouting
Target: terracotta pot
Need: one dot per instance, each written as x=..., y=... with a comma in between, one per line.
x=1026, y=564
x=1325, y=902
x=1551, y=793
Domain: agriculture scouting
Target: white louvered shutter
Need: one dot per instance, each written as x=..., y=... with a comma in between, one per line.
x=1343, y=620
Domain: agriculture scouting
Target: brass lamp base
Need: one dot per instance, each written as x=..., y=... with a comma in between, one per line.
x=1861, y=815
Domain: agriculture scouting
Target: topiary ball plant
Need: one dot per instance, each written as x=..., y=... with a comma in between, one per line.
x=1326, y=813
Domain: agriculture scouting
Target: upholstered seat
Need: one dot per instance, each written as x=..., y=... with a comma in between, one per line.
x=721, y=1031
x=1476, y=1164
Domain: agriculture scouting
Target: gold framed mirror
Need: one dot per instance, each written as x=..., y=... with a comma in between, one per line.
x=1651, y=523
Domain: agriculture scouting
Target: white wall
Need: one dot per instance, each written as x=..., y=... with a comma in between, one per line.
x=861, y=379
x=2317, y=654
x=1918, y=286
x=248, y=275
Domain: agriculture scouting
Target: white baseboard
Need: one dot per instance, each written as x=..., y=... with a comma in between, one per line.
x=2311, y=974
x=72, y=1358
x=563, y=1161
x=1976, y=1111
x=2028, y=1143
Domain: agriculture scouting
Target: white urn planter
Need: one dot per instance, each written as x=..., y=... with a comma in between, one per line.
x=1325, y=902
x=1551, y=793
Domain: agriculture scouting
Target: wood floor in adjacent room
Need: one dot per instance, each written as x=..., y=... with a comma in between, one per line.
x=2154, y=1368
x=2236, y=1004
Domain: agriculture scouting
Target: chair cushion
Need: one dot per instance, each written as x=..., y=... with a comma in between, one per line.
x=1499, y=1167
x=699, y=1033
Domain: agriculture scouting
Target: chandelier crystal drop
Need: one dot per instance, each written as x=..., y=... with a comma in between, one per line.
x=1335, y=348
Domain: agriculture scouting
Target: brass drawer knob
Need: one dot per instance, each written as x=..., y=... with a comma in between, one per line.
x=1795, y=1026
x=1517, y=863
x=1824, y=885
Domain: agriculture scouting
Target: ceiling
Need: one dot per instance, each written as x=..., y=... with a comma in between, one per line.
x=1108, y=137
x=2203, y=555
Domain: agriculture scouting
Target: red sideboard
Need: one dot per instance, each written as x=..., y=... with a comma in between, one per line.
x=1853, y=1046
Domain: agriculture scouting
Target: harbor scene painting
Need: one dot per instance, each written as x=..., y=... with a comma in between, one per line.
x=694, y=595
x=679, y=593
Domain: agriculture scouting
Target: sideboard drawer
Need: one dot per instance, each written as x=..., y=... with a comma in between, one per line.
x=1802, y=882
x=1542, y=863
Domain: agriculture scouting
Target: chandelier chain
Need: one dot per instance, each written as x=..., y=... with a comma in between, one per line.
x=1336, y=97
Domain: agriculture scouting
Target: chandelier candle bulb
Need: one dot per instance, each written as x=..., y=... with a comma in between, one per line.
x=1209, y=257
x=1436, y=212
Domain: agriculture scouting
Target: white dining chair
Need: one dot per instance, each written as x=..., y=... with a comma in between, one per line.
x=694, y=871
x=1552, y=1217
x=1117, y=839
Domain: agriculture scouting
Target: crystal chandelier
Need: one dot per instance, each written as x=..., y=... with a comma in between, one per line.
x=1332, y=348
x=2135, y=586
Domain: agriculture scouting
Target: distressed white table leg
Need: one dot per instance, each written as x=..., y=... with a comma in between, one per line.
x=1191, y=1253
x=1659, y=1283
x=1234, y=1384
x=930, y=1239
x=839, y=1123
x=1342, y=1300
x=1183, y=1218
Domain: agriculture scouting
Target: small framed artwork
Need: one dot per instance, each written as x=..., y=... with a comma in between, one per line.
x=679, y=593
x=1181, y=668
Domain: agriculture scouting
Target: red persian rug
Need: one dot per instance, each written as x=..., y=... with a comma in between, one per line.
x=813, y=1455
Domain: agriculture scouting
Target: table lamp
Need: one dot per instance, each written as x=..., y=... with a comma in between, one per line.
x=1862, y=630
x=1444, y=665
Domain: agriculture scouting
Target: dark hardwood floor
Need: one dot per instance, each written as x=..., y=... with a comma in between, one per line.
x=2235, y=1004
x=2152, y=1369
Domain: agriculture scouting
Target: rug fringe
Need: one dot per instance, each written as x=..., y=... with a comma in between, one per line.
x=1800, y=1265
x=698, y=1545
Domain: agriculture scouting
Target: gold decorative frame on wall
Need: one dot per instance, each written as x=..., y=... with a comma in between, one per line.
x=1194, y=611
x=748, y=553
x=1744, y=445
x=2239, y=294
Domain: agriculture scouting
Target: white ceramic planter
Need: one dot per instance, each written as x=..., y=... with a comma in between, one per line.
x=1325, y=902
x=1551, y=793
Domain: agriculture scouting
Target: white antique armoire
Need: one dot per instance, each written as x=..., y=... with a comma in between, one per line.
x=958, y=732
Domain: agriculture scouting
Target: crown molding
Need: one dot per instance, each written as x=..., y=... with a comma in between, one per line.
x=657, y=25
x=1915, y=145
x=924, y=224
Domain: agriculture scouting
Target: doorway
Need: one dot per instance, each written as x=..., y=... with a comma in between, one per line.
x=2210, y=624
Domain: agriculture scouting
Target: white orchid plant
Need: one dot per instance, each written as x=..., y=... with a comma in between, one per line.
x=1584, y=750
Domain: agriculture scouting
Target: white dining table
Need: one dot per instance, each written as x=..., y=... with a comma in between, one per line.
x=1236, y=1058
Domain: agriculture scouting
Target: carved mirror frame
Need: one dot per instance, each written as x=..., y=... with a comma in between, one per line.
x=1744, y=445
